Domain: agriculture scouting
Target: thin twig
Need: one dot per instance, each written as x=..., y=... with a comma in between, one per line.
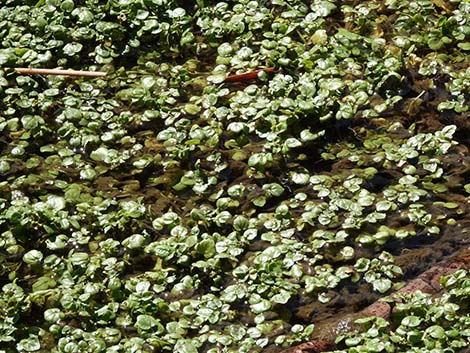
x=248, y=76
x=31, y=71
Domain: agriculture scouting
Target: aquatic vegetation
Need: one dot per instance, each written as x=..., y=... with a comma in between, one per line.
x=421, y=323
x=161, y=208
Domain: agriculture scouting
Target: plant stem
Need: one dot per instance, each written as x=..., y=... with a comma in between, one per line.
x=31, y=71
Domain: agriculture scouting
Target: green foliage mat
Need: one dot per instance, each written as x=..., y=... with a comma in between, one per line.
x=160, y=209
x=420, y=323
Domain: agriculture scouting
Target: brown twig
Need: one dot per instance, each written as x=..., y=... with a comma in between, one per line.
x=248, y=76
x=31, y=71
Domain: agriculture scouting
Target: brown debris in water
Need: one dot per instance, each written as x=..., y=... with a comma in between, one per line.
x=427, y=282
x=316, y=346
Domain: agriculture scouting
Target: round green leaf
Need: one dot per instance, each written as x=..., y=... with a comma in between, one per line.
x=411, y=321
x=435, y=331
x=72, y=49
x=30, y=344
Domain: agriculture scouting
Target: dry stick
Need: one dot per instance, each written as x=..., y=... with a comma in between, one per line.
x=248, y=76
x=30, y=71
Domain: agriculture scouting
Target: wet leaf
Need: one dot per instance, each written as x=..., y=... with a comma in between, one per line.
x=411, y=321
x=206, y=248
x=435, y=331
x=30, y=344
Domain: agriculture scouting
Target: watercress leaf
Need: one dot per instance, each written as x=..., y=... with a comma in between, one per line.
x=206, y=248
x=411, y=321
